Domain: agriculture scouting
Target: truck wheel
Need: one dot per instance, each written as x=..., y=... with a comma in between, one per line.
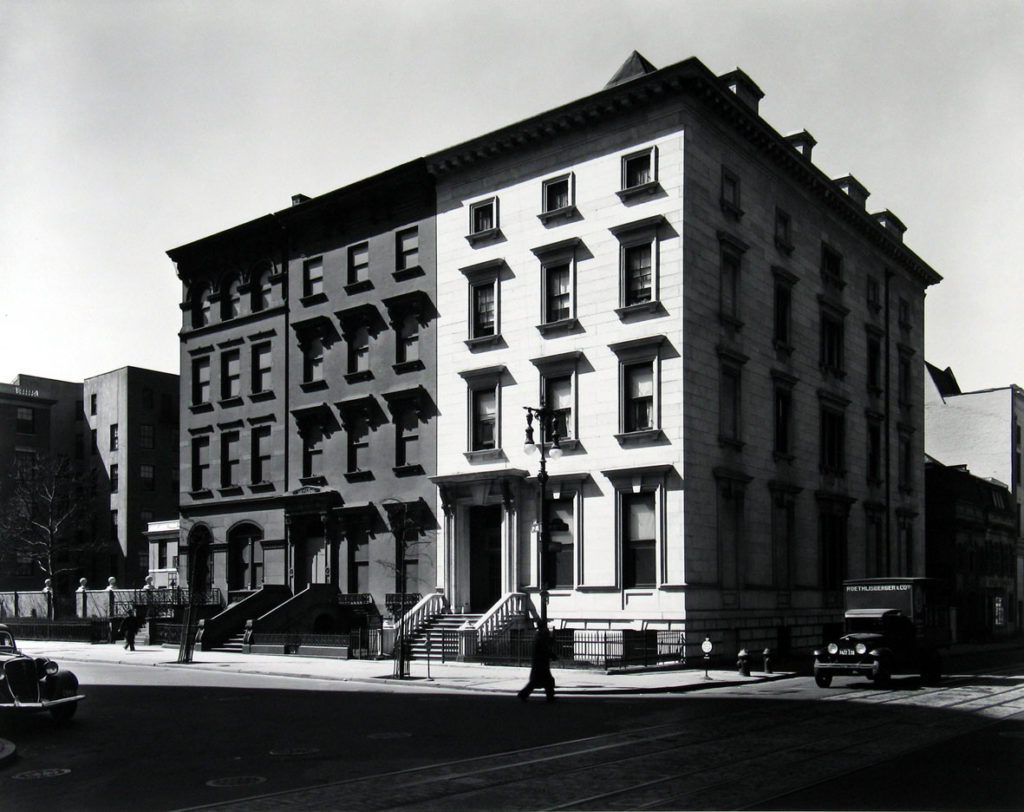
x=883, y=676
x=67, y=685
x=822, y=680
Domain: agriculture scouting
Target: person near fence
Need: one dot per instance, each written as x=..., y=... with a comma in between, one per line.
x=129, y=627
x=540, y=666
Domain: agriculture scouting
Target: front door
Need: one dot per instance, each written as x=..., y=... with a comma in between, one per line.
x=484, y=556
x=311, y=566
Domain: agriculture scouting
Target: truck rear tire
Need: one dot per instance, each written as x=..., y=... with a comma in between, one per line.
x=822, y=680
x=883, y=676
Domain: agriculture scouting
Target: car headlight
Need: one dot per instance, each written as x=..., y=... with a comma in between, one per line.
x=861, y=649
x=51, y=668
x=833, y=648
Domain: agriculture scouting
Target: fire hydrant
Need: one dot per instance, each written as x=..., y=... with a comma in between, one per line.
x=742, y=662
x=767, y=654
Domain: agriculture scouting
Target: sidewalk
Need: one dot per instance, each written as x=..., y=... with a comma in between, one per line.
x=446, y=676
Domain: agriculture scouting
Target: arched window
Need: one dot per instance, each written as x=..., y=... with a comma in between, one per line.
x=230, y=300
x=245, y=557
x=262, y=290
x=200, y=300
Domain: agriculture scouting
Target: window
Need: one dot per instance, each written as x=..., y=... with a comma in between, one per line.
x=26, y=417
x=407, y=437
x=313, y=277
x=559, y=570
x=312, y=452
x=831, y=358
x=783, y=419
x=874, y=466
x=484, y=303
x=637, y=274
x=231, y=299
x=230, y=375
x=262, y=292
x=904, y=313
x=874, y=294
x=729, y=417
x=92, y=405
x=783, y=231
x=147, y=435
x=782, y=310
x=639, y=533
x=557, y=198
x=559, y=400
x=639, y=397
x=359, y=560
x=557, y=291
x=200, y=381
x=407, y=344
x=200, y=306
x=483, y=217
x=730, y=194
x=358, y=443
x=358, y=350
x=261, y=368
x=230, y=459
x=484, y=403
x=313, y=360
x=874, y=361
x=729, y=284
x=200, y=463
x=638, y=265
x=905, y=473
x=639, y=170
x=905, y=378
x=359, y=264
x=114, y=440
x=147, y=473
x=260, y=458
x=147, y=397
x=114, y=477
x=832, y=458
x=831, y=265
x=407, y=249
x=639, y=372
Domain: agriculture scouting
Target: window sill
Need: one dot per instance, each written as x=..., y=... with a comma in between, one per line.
x=261, y=487
x=313, y=299
x=358, y=287
x=318, y=479
x=564, y=213
x=550, y=328
x=202, y=493
x=731, y=209
x=408, y=366
x=485, y=455
x=401, y=274
x=481, y=237
x=358, y=476
x=408, y=470
x=643, y=190
x=313, y=386
x=198, y=408
x=730, y=442
x=227, y=403
x=485, y=342
x=230, y=490
x=730, y=321
x=266, y=394
x=627, y=312
x=357, y=377
x=642, y=437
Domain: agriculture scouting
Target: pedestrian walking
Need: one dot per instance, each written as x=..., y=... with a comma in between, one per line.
x=129, y=627
x=540, y=666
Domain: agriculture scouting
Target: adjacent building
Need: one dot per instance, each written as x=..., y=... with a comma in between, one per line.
x=981, y=430
x=723, y=339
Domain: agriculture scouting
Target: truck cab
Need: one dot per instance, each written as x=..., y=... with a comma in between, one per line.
x=891, y=626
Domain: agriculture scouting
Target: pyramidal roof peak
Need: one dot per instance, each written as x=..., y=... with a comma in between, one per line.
x=636, y=65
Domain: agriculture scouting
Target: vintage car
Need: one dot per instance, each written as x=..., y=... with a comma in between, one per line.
x=35, y=683
x=892, y=625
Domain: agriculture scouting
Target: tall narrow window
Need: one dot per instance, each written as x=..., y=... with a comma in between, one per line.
x=783, y=231
x=147, y=473
x=557, y=292
x=906, y=462
x=200, y=381
x=904, y=381
x=231, y=299
x=261, y=368
x=639, y=532
x=559, y=568
x=782, y=332
x=114, y=438
x=359, y=350
x=114, y=477
x=263, y=292
x=200, y=305
x=874, y=362
x=313, y=277
x=407, y=345
x=230, y=461
x=313, y=360
x=260, y=457
x=637, y=273
x=730, y=196
x=359, y=561
x=783, y=419
x=874, y=466
x=200, y=463
x=92, y=405
x=147, y=435
x=484, y=427
x=484, y=310
x=639, y=396
x=358, y=444
x=558, y=398
x=359, y=263
x=312, y=452
x=407, y=249
x=407, y=437
x=230, y=375
x=832, y=358
x=831, y=265
x=729, y=404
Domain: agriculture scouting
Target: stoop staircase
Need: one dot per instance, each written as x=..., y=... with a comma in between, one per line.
x=434, y=631
x=233, y=643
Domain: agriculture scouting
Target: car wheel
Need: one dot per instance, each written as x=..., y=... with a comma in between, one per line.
x=883, y=676
x=822, y=680
x=67, y=685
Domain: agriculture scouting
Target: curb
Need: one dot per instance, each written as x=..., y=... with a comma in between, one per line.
x=6, y=750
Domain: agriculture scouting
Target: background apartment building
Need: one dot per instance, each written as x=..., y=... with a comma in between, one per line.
x=730, y=340
x=309, y=418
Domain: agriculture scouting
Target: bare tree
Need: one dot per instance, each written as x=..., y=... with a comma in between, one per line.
x=42, y=519
x=408, y=524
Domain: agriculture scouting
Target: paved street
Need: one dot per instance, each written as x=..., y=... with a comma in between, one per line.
x=169, y=737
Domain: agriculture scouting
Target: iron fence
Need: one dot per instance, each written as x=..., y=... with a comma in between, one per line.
x=586, y=648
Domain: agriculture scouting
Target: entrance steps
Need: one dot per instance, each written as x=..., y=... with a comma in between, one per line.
x=233, y=643
x=434, y=632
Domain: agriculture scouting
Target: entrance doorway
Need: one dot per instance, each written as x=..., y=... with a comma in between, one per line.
x=484, y=556
x=311, y=562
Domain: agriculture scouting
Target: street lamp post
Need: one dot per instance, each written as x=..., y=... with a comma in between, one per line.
x=548, y=432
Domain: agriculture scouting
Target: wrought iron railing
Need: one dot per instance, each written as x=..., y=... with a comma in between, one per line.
x=587, y=649
x=398, y=603
x=512, y=607
x=416, y=618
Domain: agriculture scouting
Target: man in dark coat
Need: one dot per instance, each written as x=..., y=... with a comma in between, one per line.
x=540, y=666
x=130, y=626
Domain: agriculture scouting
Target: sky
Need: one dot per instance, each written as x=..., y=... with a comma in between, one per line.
x=129, y=127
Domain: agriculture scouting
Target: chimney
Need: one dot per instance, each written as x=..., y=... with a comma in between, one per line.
x=854, y=189
x=299, y=198
x=891, y=223
x=744, y=88
x=803, y=142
